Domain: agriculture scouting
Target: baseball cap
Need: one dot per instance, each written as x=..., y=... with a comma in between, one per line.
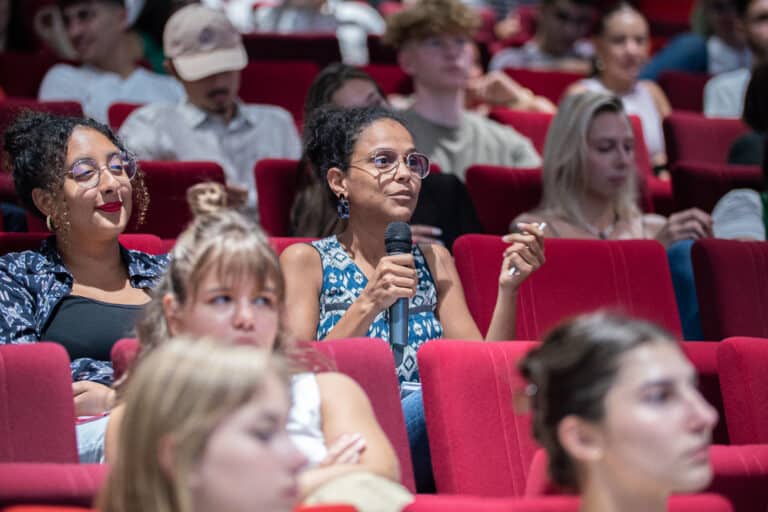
x=202, y=42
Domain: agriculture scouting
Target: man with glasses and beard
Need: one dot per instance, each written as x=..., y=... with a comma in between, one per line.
x=205, y=52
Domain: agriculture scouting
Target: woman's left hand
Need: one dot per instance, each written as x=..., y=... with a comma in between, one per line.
x=525, y=255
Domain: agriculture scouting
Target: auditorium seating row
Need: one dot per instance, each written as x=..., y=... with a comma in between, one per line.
x=629, y=275
x=489, y=452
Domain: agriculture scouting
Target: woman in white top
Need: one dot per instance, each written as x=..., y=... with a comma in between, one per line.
x=224, y=281
x=622, y=44
x=590, y=179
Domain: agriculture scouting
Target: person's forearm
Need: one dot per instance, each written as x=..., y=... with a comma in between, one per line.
x=355, y=321
x=504, y=317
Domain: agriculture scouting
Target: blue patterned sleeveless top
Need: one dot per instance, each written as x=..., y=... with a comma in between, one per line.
x=343, y=281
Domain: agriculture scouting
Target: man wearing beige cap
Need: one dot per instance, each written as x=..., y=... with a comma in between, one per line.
x=205, y=52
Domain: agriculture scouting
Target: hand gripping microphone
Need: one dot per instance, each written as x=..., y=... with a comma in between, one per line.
x=397, y=240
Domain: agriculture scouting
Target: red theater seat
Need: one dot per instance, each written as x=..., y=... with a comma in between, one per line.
x=533, y=125
x=322, y=49
x=691, y=136
x=391, y=78
x=276, y=181
x=701, y=184
x=684, y=90
x=37, y=417
x=742, y=363
x=21, y=73
x=282, y=83
x=502, y=193
x=548, y=83
x=49, y=484
x=368, y=361
x=732, y=287
x=632, y=275
x=16, y=242
x=167, y=183
x=279, y=243
x=119, y=112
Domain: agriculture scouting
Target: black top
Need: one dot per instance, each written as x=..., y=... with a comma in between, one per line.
x=88, y=327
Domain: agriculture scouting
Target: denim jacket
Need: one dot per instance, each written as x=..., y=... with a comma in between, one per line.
x=33, y=282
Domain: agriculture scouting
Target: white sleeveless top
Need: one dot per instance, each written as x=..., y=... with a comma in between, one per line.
x=638, y=102
x=305, y=420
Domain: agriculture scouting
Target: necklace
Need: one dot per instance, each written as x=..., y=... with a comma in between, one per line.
x=602, y=234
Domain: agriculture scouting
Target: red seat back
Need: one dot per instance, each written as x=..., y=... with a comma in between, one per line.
x=691, y=136
x=322, y=49
x=461, y=376
x=37, y=418
x=21, y=73
x=742, y=364
x=533, y=125
x=259, y=78
x=502, y=193
x=119, y=112
x=548, y=83
x=632, y=275
x=49, y=483
x=703, y=355
x=280, y=243
x=684, y=90
x=371, y=364
x=391, y=78
x=701, y=184
x=732, y=287
x=167, y=183
x=276, y=181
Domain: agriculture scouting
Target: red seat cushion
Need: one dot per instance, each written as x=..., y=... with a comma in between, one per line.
x=631, y=275
x=684, y=90
x=732, y=287
x=50, y=484
x=742, y=363
x=37, y=417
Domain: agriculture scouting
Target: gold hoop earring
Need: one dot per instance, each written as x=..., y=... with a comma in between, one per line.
x=49, y=223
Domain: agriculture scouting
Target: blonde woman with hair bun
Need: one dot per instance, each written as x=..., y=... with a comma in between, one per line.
x=197, y=441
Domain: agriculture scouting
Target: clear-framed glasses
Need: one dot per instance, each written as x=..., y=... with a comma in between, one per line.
x=87, y=173
x=388, y=160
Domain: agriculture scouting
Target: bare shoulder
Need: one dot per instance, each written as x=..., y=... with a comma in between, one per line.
x=438, y=258
x=300, y=257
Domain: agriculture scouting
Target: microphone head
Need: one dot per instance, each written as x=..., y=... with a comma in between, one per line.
x=397, y=238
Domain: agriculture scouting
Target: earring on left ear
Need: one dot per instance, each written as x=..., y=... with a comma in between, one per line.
x=49, y=223
x=342, y=207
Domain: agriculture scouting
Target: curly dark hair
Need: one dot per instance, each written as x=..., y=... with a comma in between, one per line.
x=572, y=371
x=430, y=18
x=330, y=134
x=330, y=79
x=36, y=149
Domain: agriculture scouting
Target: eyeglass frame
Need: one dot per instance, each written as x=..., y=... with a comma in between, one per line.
x=126, y=156
x=396, y=165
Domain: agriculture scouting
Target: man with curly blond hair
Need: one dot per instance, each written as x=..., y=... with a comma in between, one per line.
x=434, y=43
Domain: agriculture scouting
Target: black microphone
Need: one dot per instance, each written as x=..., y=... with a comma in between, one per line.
x=397, y=240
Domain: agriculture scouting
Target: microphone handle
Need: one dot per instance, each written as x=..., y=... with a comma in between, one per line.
x=398, y=322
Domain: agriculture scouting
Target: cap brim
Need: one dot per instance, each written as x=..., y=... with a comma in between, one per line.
x=195, y=67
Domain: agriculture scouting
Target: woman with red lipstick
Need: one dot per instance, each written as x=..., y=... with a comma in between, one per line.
x=622, y=45
x=81, y=288
x=615, y=405
x=590, y=179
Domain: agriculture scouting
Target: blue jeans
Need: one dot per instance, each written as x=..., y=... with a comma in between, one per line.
x=681, y=268
x=413, y=410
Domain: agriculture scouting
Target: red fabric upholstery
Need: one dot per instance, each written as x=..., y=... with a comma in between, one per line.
x=276, y=181
x=371, y=364
x=378, y=52
x=119, y=112
x=692, y=136
x=502, y=193
x=167, y=183
x=53, y=484
x=37, y=417
x=22, y=73
x=259, y=84
x=45, y=508
x=732, y=287
x=391, y=78
x=427, y=503
x=684, y=90
x=7, y=188
x=325, y=508
x=704, y=357
x=322, y=49
x=279, y=243
x=630, y=274
x=533, y=125
x=701, y=184
x=739, y=475
x=548, y=83
x=15, y=242
x=487, y=452
x=742, y=364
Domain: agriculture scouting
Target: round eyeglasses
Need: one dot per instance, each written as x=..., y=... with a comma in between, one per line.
x=386, y=161
x=87, y=173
